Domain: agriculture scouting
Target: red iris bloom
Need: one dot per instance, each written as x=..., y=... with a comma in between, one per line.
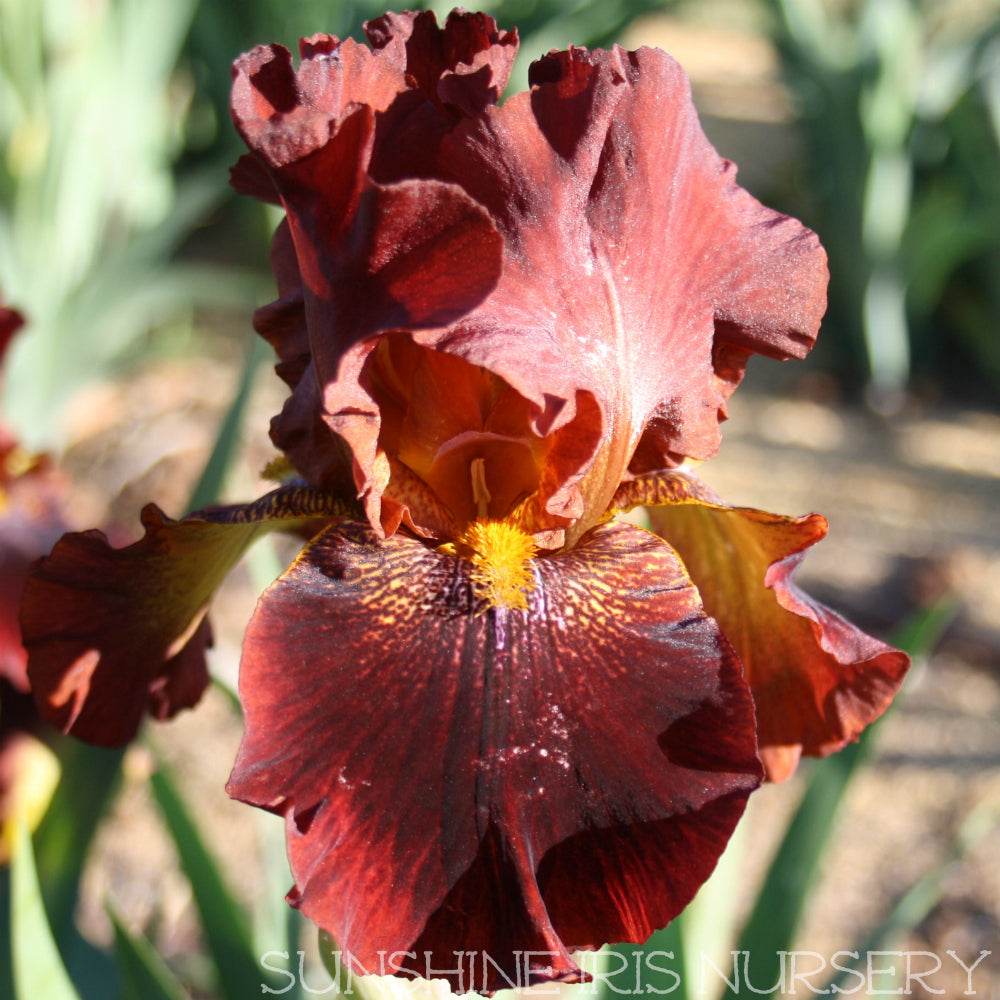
x=498, y=721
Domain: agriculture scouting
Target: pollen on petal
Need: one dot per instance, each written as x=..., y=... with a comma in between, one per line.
x=501, y=555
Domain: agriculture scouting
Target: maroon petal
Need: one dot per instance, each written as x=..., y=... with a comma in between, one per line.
x=114, y=633
x=465, y=64
x=10, y=322
x=362, y=257
x=31, y=520
x=635, y=272
x=488, y=780
x=817, y=680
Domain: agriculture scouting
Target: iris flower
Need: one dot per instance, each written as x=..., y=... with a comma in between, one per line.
x=499, y=721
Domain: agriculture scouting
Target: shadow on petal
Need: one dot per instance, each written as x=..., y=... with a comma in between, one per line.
x=495, y=781
x=114, y=633
x=817, y=680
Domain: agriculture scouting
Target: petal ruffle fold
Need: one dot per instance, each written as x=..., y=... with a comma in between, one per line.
x=456, y=778
x=817, y=680
x=114, y=633
x=611, y=232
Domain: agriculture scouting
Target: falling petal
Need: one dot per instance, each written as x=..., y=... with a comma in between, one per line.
x=114, y=633
x=817, y=680
x=459, y=777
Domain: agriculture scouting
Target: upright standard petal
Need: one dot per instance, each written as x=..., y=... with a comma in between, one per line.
x=624, y=239
x=497, y=782
x=114, y=633
x=634, y=265
x=817, y=680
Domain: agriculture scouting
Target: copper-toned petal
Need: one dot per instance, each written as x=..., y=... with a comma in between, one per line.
x=661, y=259
x=114, y=633
x=816, y=679
x=285, y=115
x=463, y=778
x=367, y=257
x=637, y=277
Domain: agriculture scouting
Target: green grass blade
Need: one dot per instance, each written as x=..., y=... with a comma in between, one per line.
x=226, y=931
x=38, y=970
x=209, y=486
x=90, y=778
x=774, y=921
x=144, y=975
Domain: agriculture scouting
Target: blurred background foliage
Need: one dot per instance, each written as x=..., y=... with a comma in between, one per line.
x=120, y=242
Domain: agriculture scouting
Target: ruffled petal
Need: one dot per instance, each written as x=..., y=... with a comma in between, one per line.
x=357, y=257
x=817, y=680
x=465, y=64
x=624, y=239
x=114, y=633
x=662, y=262
x=488, y=780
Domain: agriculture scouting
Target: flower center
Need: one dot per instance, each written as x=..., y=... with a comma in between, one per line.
x=501, y=556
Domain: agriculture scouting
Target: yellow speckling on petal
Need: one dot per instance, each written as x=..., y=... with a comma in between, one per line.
x=501, y=556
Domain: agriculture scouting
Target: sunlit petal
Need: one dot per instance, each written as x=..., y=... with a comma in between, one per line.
x=459, y=777
x=617, y=279
x=817, y=680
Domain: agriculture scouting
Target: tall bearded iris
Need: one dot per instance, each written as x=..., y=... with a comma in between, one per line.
x=497, y=720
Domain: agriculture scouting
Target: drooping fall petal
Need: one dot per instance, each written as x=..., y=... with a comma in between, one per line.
x=636, y=277
x=114, y=633
x=458, y=777
x=817, y=680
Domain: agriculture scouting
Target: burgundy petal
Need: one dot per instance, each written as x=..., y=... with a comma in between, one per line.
x=31, y=520
x=463, y=778
x=114, y=633
x=366, y=257
x=665, y=270
x=10, y=322
x=465, y=63
x=817, y=680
